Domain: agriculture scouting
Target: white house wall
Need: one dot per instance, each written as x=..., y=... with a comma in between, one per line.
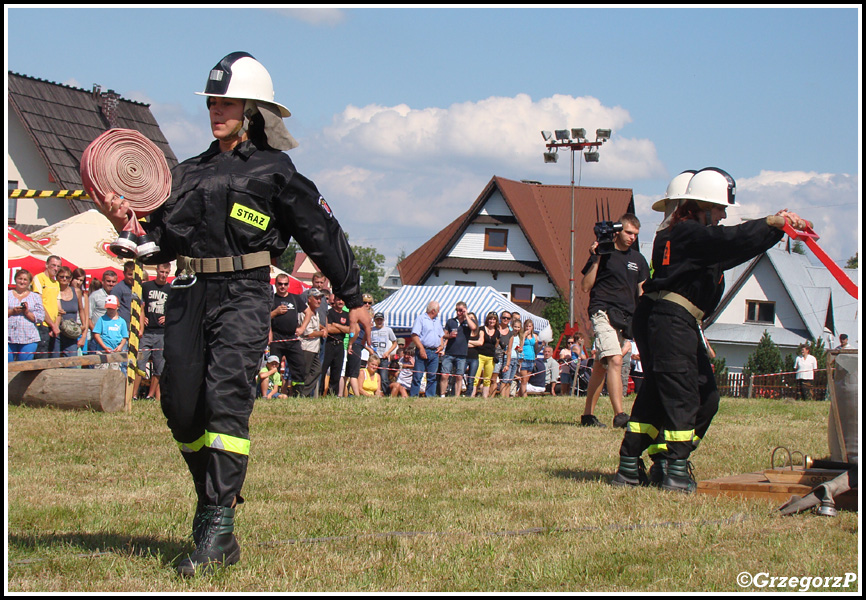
x=496, y=206
x=471, y=245
x=26, y=167
x=541, y=286
x=763, y=285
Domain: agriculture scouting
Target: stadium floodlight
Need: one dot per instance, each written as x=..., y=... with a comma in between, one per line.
x=602, y=134
x=591, y=156
x=562, y=134
x=578, y=134
x=546, y=135
x=551, y=157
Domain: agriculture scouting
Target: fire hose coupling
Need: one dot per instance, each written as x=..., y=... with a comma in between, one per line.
x=127, y=163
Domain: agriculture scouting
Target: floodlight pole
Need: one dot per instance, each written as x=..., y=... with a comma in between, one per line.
x=574, y=146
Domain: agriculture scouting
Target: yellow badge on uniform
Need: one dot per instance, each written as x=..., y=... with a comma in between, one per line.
x=250, y=216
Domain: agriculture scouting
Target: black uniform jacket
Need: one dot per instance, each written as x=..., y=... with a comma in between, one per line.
x=690, y=259
x=248, y=200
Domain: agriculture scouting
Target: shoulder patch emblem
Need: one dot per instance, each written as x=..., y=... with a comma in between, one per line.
x=325, y=206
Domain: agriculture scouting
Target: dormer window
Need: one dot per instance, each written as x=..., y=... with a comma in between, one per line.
x=760, y=312
x=495, y=240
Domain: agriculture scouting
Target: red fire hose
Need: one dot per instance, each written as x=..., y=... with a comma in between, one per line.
x=125, y=162
x=809, y=236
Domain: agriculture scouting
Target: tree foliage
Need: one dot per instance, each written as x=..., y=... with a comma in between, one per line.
x=370, y=262
x=286, y=261
x=852, y=262
x=765, y=359
x=556, y=312
x=720, y=370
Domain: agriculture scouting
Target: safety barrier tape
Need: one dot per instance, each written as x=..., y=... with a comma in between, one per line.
x=74, y=194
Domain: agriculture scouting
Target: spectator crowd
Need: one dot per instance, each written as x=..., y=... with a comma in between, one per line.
x=311, y=350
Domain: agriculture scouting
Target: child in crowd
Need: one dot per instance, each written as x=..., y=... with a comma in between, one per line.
x=404, y=378
x=270, y=379
x=111, y=333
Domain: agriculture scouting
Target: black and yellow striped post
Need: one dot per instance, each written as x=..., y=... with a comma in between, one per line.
x=68, y=194
x=136, y=321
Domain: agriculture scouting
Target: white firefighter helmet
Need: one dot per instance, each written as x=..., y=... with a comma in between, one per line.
x=712, y=186
x=239, y=75
x=676, y=189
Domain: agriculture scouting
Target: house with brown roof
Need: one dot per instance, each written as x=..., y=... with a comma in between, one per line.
x=49, y=126
x=304, y=269
x=515, y=238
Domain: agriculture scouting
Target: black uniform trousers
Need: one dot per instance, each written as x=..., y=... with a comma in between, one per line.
x=291, y=351
x=679, y=397
x=332, y=365
x=215, y=334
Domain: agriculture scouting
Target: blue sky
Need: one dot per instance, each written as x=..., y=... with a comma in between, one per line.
x=404, y=114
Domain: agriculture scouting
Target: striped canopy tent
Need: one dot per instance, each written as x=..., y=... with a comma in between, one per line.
x=403, y=306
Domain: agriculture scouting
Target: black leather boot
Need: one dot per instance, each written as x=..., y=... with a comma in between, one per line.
x=217, y=546
x=678, y=476
x=631, y=472
x=657, y=472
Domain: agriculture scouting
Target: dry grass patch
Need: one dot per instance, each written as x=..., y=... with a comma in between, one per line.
x=408, y=495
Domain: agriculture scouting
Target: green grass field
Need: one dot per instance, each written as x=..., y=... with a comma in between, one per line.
x=399, y=495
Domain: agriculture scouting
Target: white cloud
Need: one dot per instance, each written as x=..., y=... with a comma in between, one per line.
x=313, y=16
x=829, y=200
x=403, y=173
x=499, y=134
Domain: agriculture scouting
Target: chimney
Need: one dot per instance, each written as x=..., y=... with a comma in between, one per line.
x=108, y=102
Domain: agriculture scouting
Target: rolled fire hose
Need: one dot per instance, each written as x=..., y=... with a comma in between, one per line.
x=125, y=162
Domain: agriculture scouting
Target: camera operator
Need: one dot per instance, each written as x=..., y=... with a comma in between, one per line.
x=614, y=281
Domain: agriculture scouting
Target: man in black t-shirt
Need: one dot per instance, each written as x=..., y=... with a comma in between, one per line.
x=283, y=340
x=614, y=282
x=154, y=294
x=457, y=332
x=335, y=346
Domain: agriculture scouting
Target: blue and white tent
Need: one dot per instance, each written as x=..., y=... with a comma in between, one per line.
x=403, y=307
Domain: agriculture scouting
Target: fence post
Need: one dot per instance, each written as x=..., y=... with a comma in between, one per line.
x=751, y=383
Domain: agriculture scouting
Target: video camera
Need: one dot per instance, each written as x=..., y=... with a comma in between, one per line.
x=605, y=230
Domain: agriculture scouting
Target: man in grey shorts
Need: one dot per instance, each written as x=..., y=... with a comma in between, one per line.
x=154, y=294
x=614, y=282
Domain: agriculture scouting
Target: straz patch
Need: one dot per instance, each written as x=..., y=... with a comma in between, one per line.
x=250, y=216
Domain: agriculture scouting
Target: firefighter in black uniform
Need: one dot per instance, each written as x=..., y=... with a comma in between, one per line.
x=232, y=209
x=679, y=396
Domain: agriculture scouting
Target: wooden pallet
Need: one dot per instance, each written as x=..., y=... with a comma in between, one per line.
x=779, y=486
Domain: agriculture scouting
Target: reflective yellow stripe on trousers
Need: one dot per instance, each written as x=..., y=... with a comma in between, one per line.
x=679, y=436
x=645, y=428
x=219, y=441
